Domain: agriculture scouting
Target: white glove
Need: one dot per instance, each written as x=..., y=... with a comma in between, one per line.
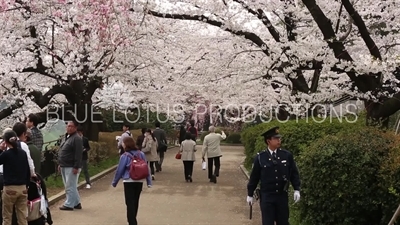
x=250, y=200
x=296, y=196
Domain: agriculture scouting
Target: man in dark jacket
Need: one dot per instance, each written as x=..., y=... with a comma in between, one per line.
x=161, y=138
x=86, y=148
x=69, y=164
x=36, y=153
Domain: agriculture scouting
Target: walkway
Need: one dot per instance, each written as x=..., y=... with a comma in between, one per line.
x=171, y=200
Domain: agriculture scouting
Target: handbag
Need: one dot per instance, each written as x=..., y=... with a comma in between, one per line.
x=34, y=211
x=204, y=165
x=178, y=155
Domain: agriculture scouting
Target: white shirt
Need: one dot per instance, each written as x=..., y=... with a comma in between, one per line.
x=25, y=147
x=270, y=151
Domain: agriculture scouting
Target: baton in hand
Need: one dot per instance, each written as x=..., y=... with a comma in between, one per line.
x=251, y=211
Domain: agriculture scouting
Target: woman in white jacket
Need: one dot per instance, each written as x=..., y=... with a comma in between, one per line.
x=188, y=149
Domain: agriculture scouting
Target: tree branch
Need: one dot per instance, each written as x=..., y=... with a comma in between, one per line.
x=43, y=100
x=247, y=35
x=264, y=19
x=362, y=28
x=9, y=110
x=364, y=82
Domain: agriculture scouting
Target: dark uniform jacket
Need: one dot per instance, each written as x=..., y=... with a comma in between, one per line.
x=273, y=174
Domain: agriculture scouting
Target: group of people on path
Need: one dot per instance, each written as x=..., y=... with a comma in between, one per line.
x=147, y=148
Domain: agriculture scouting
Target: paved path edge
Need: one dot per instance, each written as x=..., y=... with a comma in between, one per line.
x=245, y=171
x=57, y=197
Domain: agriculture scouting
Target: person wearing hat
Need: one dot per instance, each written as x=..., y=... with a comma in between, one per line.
x=274, y=168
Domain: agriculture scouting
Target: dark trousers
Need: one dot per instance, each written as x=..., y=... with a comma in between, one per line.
x=217, y=164
x=152, y=164
x=188, y=169
x=161, y=156
x=274, y=207
x=85, y=171
x=132, y=192
x=1, y=203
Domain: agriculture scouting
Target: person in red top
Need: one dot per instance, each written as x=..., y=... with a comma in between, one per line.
x=193, y=130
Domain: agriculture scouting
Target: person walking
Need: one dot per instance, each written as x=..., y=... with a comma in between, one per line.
x=132, y=188
x=188, y=149
x=126, y=133
x=211, y=147
x=69, y=165
x=85, y=157
x=161, y=137
x=149, y=148
x=275, y=168
x=182, y=134
x=140, y=138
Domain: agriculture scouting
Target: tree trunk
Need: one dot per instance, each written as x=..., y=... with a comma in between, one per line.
x=90, y=119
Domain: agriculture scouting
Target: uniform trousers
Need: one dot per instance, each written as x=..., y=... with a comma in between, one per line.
x=274, y=207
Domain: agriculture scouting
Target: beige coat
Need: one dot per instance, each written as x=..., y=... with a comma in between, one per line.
x=211, y=145
x=149, y=148
x=188, y=148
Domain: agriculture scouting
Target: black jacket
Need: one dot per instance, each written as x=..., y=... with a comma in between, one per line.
x=86, y=148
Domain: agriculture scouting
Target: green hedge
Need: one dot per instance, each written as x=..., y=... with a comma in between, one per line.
x=351, y=178
x=296, y=134
x=350, y=173
x=233, y=138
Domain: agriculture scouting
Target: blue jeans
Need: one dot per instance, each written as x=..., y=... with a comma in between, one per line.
x=70, y=181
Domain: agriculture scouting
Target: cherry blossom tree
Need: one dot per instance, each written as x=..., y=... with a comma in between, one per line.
x=314, y=50
x=57, y=54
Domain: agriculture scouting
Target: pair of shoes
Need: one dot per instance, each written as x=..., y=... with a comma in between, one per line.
x=66, y=208
x=88, y=186
x=149, y=186
x=152, y=177
x=190, y=179
x=79, y=206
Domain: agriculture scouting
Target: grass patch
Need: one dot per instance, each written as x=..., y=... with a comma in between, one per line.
x=55, y=184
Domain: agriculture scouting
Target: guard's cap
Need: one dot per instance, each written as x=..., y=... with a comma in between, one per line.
x=273, y=132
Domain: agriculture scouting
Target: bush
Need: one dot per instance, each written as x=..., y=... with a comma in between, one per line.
x=233, y=138
x=351, y=178
x=217, y=130
x=203, y=135
x=99, y=152
x=296, y=134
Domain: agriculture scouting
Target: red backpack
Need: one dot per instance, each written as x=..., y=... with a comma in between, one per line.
x=138, y=169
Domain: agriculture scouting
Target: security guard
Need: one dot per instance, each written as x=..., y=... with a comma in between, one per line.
x=274, y=168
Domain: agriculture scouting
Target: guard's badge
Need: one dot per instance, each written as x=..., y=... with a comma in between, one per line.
x=277, y=130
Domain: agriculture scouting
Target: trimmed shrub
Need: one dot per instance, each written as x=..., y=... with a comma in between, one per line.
x=295, y=134
x=233, y=138
x=217, y=130
x=351, y=178
x=99, y=152
x=203, y=135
